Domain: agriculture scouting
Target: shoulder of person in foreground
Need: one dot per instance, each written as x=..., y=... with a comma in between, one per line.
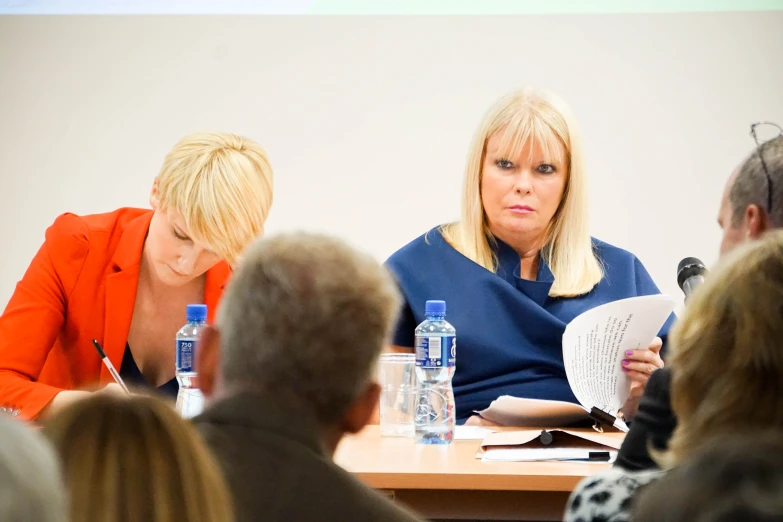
x=245, y=447
x=732, y=477
x=607, y=496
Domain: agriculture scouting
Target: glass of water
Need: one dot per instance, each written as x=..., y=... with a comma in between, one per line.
x=397, y=377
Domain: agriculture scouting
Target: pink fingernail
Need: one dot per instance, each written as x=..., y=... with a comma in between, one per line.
x=629, y=352
x=626, y=370
x=626, y=363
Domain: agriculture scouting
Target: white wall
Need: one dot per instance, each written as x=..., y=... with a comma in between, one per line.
x=367, y=119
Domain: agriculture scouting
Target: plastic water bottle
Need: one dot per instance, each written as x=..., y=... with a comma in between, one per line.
x=436, y=351
x=190, y=400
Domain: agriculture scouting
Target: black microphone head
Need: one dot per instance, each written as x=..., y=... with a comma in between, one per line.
x=689, y=267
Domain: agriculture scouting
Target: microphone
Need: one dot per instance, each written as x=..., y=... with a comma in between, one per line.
x=690, y=274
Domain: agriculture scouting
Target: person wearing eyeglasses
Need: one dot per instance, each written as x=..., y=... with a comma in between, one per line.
x=752, y=204
x=124, y=278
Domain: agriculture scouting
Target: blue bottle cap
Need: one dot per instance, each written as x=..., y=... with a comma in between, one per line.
x=435, y=307
x=196, y=312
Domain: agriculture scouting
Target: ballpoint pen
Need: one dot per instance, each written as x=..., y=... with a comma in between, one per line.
x=110, y=366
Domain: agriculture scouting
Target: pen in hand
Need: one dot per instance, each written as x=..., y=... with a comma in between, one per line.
x=110, y=366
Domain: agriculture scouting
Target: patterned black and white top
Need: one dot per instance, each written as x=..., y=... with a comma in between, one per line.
x=607, y=496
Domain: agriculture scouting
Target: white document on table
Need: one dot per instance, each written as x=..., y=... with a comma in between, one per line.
x=538, y=455
x=471, y=432
x=560, y=444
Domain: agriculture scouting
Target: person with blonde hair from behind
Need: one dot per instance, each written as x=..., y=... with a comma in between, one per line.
x=124, y=278
x=726, y=368
x=520, y=263
x=31, y=489
x=127, y=459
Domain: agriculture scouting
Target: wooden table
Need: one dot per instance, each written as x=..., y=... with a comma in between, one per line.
x=449, y=482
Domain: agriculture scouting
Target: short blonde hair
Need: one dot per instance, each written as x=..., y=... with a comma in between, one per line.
x=727, y=357
x=134, y=458
x=222, y=185
x=524, y=116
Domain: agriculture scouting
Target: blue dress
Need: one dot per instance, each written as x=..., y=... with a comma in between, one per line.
x=509, y=331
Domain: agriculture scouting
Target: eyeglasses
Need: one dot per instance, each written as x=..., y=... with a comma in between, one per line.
x=762, y=132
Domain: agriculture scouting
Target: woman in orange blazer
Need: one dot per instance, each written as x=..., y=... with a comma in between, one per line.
x=124, y=278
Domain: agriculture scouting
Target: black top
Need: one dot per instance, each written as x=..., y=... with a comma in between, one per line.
x=653, y=424
x=132, y=376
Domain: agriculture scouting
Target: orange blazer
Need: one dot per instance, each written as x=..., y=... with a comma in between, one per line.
x=80, y=286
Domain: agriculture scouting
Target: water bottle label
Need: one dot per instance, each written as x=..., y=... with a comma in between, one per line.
x=185, y=352
x=436, y=351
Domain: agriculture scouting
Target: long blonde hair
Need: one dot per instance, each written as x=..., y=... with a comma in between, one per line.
x=727, y=351
x=127, y=459
x=524, y=116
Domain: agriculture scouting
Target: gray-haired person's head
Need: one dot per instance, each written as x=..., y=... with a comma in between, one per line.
x=305, y=318
x=751, y=186
x=31, y=488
